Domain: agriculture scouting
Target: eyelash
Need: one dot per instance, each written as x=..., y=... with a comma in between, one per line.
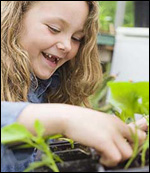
x=58, y=31
x=54, y=30
x=77, y=40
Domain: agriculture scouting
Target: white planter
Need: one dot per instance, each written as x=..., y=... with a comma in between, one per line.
x=131, y=54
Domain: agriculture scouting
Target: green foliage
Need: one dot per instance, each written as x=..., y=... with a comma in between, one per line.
x=129, y=14
x=14, y=133
x=68, y=140
x=108, y=12
x=17, y=133
x=130, y=99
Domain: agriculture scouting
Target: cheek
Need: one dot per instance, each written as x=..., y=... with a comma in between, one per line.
x=74, y=51
x=40, y=38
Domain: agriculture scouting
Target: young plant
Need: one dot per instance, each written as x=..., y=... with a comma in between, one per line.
x=17, y=133
x=130, y=99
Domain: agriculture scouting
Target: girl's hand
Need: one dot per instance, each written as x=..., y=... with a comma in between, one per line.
x=141, y=124
x=106, y=133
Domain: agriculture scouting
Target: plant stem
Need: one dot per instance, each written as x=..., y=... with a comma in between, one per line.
x=135, y=149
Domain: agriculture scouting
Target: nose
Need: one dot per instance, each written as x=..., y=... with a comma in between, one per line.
x=64, y=46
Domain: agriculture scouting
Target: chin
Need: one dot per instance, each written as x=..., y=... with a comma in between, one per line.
x=44, y=76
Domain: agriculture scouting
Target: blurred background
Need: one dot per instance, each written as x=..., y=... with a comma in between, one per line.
x=123, y=13
x=124, y=39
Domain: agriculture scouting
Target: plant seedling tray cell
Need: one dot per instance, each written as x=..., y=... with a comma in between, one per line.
x=84, y=159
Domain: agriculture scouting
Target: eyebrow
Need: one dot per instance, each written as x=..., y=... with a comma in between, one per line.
x=66, y=23
x=62, y=21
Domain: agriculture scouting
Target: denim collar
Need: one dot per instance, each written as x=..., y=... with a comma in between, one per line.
x=39, y=87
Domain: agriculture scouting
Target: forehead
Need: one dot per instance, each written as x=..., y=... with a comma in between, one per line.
x=74, y=12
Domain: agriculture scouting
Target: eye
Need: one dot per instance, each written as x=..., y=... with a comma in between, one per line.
x=54, y=30
x=77, y=39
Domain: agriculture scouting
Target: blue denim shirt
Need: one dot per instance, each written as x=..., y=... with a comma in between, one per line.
x=13, y=160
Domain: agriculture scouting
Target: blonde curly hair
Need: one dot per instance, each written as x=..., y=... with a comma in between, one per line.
x=85, y=69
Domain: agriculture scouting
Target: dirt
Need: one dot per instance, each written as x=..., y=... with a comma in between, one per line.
x=84, y=159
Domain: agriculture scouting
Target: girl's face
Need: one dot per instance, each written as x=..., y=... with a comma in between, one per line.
x=52, y=34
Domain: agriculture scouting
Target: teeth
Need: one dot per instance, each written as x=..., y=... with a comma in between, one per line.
x=50, y=56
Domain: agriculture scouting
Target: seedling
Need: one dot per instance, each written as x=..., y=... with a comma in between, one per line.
x=17, y=133
x=129, y=99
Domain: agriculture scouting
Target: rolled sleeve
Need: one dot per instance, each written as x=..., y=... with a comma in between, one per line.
x=13, y=160
x=10, y=111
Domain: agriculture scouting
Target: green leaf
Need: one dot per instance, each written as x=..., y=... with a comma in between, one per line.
x=57, y=158
x=142, y=90
x=69, y=140
x=49, y=161
x=54, y=137
x=18, y=133
x=130, y=98
x=34, y=165
x=39, y=128
x=14, y=133
x=24, y=146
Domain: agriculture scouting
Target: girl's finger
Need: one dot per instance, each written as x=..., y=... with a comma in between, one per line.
x=127, y=133
x=142, y=124
x=141, y=134
x=125, y=130
x=142, y=137
x=124, y=147
x=110, y=156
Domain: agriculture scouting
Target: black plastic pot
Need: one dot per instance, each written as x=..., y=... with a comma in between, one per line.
x=84, y=159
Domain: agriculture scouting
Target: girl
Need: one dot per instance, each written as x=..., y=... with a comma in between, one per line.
x=50, y=67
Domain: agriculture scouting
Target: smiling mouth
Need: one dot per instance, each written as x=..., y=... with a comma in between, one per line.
x=51, y=58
